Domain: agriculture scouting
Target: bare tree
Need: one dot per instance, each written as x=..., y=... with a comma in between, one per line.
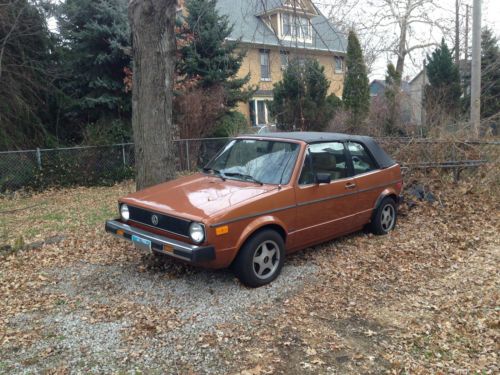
x=153, y=49
x=396, y=27
x=349, y=15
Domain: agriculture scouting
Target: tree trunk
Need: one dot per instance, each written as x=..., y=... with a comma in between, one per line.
x=402, y=47
x=153, y=46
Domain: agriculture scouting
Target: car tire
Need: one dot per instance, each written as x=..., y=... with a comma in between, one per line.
x=260, y=259
x=385, y=217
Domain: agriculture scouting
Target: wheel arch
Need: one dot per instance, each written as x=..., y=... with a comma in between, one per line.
x=260, y=225
x=387, y=193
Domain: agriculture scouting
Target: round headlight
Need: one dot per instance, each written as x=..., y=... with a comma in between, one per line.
x=124, y=212
x=197, y=232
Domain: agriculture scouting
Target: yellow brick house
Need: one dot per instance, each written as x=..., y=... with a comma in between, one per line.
x=273, y=32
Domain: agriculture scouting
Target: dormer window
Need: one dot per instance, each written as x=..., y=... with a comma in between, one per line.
x=295, y=27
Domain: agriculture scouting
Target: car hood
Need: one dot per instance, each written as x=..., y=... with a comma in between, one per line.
x=196, y=197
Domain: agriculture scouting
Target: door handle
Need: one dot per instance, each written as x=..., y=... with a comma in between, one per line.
x=350, y=185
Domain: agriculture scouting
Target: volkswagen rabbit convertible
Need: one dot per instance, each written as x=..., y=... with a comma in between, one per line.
x=263, y=197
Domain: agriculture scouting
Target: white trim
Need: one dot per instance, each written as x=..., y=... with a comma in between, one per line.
x=256, y=110
x=260, y=45
x=280, y=29
x=338, y=71
x=296, y=23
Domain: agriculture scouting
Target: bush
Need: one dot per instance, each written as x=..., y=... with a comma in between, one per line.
x=107, y=132
x=300, y=100
x=230, y=125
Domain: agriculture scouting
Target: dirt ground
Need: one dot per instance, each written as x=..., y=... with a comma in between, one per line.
x=424, y=299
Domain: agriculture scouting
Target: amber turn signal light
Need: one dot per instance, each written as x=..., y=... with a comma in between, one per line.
x=120, y=232
x=222, y=230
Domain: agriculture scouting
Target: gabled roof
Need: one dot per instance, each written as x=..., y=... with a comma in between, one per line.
x=250, y=28
x=405, y=86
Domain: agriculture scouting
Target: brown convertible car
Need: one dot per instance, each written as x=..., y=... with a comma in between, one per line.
x=263, y=197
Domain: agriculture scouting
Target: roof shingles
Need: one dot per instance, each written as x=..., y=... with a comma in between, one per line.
x=250, y=28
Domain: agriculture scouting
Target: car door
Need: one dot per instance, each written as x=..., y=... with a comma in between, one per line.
x=367, y=178
x=323, y=210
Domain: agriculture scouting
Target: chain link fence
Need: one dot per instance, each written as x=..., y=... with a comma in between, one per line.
x=106, y=165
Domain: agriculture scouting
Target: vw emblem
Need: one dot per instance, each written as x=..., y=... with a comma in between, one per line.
x=154, y=220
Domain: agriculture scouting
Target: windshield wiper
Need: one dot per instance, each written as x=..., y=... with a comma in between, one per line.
x=244, y=176
x=216, y=172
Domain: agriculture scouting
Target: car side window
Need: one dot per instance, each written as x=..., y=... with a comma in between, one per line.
x=324, y=158
x=361, y=160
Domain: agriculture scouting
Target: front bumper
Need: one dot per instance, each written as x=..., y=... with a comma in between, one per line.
x=161, y=244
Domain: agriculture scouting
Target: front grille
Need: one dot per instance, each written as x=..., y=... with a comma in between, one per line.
x=165, y=222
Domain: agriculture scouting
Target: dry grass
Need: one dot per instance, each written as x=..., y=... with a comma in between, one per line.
x=26, y=218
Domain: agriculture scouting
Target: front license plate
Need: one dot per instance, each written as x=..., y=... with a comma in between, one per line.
x=141, y=243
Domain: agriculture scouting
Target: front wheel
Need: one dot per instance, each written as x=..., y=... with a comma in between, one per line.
x=261, y=258
x=385, y=217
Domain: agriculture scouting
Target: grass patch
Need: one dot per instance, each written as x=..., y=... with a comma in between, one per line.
x=57, y=212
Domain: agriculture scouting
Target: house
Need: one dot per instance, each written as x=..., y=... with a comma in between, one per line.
x=418, y=84
x=377, y=87
x=377, y=90
x=417, y=87
x=273, y=32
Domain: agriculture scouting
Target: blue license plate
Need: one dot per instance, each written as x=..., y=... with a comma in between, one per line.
x=141, y=242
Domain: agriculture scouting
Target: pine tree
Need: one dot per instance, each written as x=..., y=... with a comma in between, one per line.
x=392, y=95
x=300, y=100
x=26, y=72
x=444, y=78
x=356, y=96
x=490, y=80
x=95, y=35
x=208, y=56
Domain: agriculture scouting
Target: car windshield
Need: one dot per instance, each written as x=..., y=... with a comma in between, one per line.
x=266, y=162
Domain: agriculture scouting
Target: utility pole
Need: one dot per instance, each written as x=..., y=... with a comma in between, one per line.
x=457, y=33
x=475, y=103
x=466, y=47
x=423, y=114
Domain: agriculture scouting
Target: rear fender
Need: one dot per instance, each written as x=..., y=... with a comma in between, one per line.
x=388, y=192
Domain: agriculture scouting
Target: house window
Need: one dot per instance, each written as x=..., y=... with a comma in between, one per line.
x=339, y=64
x=265, y=69
x=301, y=61
x=284, y=57
x=259, y=113
x=295, y=27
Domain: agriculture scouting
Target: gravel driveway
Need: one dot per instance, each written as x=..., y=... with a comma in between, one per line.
x=199, y=304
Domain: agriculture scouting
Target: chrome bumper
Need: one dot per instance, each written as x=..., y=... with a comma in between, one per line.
x=161, y=244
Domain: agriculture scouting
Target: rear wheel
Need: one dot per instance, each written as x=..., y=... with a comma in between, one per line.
x=385, y=217
x=261, y=258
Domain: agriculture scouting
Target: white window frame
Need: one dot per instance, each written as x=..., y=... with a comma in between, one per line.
x=268, y=53
x=284, y=55
x=296, y=28
x=341, y=59
x=256, y=111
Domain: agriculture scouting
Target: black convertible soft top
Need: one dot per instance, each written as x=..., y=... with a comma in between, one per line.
x=381, y=157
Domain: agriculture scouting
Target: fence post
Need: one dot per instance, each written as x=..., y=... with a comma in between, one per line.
x=39, y=158
x=456, y=171
x=187, y=156
x=123, y=156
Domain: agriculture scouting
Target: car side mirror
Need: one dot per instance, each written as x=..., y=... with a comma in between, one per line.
x=323, y=178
